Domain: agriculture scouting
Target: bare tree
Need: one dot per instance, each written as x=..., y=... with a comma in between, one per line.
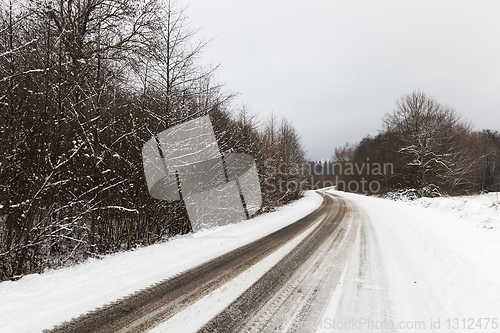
x=433, y=140
x=344, y=154
x=171, y=71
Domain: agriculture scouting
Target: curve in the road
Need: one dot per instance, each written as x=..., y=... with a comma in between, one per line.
x=286, y=288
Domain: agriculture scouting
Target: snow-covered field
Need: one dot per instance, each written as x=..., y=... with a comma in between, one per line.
x=481, y=210
x=441, y=262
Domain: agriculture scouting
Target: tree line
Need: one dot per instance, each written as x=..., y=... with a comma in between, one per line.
x=83, y=84
x=430, y=148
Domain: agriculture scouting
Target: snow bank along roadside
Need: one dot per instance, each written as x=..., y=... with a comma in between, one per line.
x=40, y=301
x=441, y=260
x=481, y=210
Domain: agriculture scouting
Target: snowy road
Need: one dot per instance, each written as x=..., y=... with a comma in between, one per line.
x=342, y=280
x=294, y=289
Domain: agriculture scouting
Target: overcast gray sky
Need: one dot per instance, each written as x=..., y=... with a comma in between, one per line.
x=334, y=68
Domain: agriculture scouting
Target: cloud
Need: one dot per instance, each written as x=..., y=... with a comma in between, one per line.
x=335, y=67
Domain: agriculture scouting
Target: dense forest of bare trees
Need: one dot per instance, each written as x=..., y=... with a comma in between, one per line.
x=83, y=84
x=430, y=149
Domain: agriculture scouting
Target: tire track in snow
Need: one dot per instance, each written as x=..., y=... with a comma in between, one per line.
x=291, y=291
